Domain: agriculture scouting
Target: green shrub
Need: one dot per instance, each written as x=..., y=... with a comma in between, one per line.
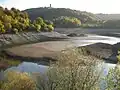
x=50, y=28
x=37, y=27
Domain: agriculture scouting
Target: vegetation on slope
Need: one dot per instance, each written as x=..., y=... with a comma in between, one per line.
x=108, y=16
x=88, y=20
x=65, y=21
x=14, y=21
x=53, y=13
x=111, y=24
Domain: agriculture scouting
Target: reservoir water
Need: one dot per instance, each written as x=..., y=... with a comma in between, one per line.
x=34, y=67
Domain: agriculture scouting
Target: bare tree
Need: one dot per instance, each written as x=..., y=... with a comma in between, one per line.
x=73, y=71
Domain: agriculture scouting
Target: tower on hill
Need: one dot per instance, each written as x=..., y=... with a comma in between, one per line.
x=50, y=5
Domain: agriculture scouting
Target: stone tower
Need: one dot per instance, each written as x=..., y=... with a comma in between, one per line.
x=50, y=5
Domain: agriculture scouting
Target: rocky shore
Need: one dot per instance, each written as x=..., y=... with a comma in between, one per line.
x=9, y=40
x=104, y=51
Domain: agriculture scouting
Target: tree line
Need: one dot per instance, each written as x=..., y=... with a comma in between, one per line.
x=65, y=21
x=15, y=21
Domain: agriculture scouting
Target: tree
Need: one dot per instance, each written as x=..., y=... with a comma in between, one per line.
x=38, y=27
x=8, y=27
x=72, y=71
x=39, y=21
x=50, y=28
x=16, y=21
x=2, y=28
x=65, y=21
x=6, y=19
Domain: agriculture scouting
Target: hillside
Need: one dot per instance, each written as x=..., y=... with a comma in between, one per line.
x=53, y=13
x=108, y=16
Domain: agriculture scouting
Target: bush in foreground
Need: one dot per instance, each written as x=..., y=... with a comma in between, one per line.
x=72, y=72
x=113, y=79
x=18, y=81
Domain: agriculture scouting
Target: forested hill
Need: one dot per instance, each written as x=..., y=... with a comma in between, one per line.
x=52, y=13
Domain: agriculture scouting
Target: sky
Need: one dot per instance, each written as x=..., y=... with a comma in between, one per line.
x=94, y=6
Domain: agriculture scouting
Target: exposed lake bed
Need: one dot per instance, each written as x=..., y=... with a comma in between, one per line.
x=101, y=46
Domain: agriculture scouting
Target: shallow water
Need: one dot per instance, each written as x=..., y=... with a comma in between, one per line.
x=34, y=67
x=29, y=67
x=78, y=41
x=105, y=69
x=95, y=39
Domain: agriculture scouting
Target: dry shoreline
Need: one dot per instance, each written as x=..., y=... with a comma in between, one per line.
x=47, y=50
x=11, y=40
x=53, y=44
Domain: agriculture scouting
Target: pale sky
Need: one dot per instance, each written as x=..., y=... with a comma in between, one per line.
x=94, y=6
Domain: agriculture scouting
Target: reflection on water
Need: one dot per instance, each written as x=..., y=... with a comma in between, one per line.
x=34, y=67
x=29, y=67
x=105, y=69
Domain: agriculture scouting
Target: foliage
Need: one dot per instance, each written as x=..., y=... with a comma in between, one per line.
x=113, y=79
x=18, y=81
x=2, y=28
x=37, y=27
x=118, y=56
x=41, y=25
x=15, y=21
x=52, y=13
x=65, y=21
x=72, y=72
x=50, y=28
x=39, y=21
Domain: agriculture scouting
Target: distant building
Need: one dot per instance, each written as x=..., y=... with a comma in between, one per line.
x=50, y=5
